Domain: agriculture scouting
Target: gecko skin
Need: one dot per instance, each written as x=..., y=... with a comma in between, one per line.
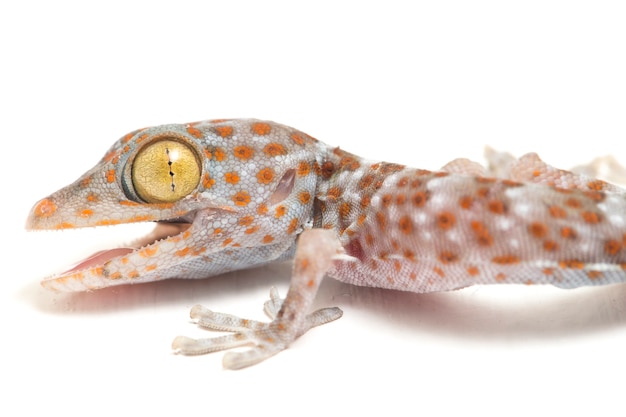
x=233, y=194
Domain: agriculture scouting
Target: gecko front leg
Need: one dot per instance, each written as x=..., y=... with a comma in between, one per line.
x=290, y=319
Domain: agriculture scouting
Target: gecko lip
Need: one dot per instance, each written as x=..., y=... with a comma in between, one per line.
x=162, y=230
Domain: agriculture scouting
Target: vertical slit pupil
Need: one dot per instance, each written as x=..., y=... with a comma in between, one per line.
x=169, y=162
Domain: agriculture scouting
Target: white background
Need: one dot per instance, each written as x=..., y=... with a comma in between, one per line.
x=412, y=82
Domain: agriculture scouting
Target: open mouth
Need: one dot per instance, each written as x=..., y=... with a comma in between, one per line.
x=162, y=230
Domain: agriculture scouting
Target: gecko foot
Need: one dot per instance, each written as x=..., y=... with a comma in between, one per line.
x=315, y=254
x=267, y=339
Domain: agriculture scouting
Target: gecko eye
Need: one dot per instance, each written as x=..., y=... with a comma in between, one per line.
x=165, y=171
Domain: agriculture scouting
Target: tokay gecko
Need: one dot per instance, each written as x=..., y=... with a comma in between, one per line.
x=233, y=194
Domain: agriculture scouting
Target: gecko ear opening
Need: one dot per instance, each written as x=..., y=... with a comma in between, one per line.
x=284, y=188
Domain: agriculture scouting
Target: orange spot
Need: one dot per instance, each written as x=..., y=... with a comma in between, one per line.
x=85, y=213
x=107, y=222
x=148, y=252
x=550, y=245
x=406, y=225
x=242, y=198
x=98, y=271
x=115, y=275
x=591, y=217
x=64, y=225
x=45, y=208
x=439, y=271
x=303, y=169
x=133, y=274
x=420, y=198
x=227, y=241
x=219, y=154
x=500, y=277
x=557, y=212
x=473, y=271
x=262, y=209
x=573, y=203
x=297, y=138
x=110, y=175
x=304, y=197
x=280, y=211
x=572, y=264
x=333, y=193
x=447, y=257
x=496, y=206
x=194, y=132
x=505, y=260
x=246, y=220
x=485, y=180
x=293, y=225
x=274, y=149
x=446, y=220
x=595, y=195
x=594, y=274
x=547, y=271
x=265, y=176
x=482, y=233
x=402, y=182
x=224, y=131
x=344, y=210
x=387, y=199
x=361, y=219
x=612, y=247
x=366, y=200
x=410, y=255
x=466, y=202
x=150, y=267
x=349, y=163
x=85, y=182
x=568, y=233
x=366, y=181
x=268, y=239
x=128, y=203
x=381, y=219
x=261, y=129
x=369, y=239
x=243, y=152
x=413, y=276
x=596, y=185
x=252, y=230
x=217, y=231
x=182, y=252
x=536, y=173
x=511, y=183
x=141, y=218
x=538, y=230
x=207, y=181
x=231, y=177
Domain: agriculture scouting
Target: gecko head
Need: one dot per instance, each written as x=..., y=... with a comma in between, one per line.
x=203, y=184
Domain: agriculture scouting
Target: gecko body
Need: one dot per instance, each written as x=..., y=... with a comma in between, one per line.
x=232, y=194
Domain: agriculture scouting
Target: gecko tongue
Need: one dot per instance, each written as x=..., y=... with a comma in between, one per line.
x=99, y=258
x=162, y=230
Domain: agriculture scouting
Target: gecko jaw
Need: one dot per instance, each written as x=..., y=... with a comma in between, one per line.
x=162, y=230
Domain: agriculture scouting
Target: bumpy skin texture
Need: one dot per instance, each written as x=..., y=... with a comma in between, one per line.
x=261, y=184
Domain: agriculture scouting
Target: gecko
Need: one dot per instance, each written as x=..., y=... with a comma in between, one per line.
x=238, y=193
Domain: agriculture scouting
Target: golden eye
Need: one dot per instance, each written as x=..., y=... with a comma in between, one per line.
x=165, y=171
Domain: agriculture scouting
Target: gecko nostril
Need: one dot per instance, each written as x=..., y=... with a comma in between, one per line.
x=284, y=188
